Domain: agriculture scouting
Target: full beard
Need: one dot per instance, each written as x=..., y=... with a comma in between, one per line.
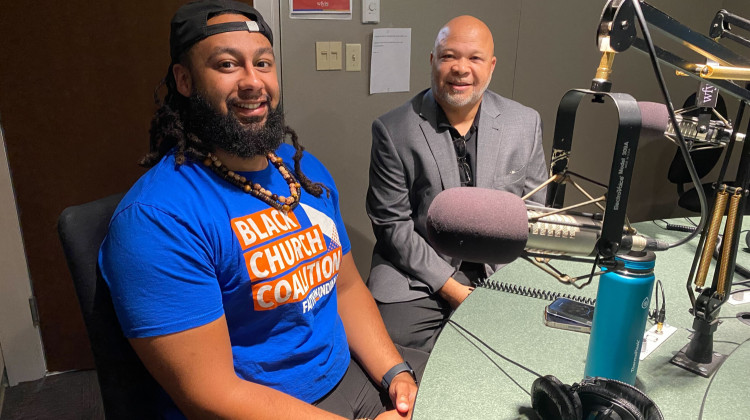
x=225, y=132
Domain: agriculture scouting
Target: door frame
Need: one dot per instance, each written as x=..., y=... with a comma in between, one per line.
x=271, y=12
x=20, y=338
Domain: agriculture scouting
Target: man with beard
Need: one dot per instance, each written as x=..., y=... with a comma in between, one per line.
x=231, y=272
x=454, y=134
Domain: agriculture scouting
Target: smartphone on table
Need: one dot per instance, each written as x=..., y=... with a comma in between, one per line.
x=568, y=314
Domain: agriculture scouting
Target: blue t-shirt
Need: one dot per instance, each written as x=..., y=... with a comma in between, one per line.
x=185, y=246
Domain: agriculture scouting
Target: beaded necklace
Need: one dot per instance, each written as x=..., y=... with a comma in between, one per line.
x=278, y=202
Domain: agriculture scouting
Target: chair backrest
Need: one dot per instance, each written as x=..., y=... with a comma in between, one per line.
x=128, y=390
x=704, y=160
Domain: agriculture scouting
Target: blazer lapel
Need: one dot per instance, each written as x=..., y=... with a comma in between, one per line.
x=440, y=144
x=489, y=142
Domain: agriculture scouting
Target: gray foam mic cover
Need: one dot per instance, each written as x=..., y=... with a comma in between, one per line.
x=654, y=119
x=478, y=224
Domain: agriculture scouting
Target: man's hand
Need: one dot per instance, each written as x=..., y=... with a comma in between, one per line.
x=403, y=391
x=454, y=292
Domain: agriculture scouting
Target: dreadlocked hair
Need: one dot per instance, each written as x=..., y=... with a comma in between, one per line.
x=168, y=133
x=167, y=130
x=314, y=188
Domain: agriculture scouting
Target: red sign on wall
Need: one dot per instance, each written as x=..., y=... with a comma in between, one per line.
x=321, y=6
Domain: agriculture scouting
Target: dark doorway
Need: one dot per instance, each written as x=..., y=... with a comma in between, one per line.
x=76, y=98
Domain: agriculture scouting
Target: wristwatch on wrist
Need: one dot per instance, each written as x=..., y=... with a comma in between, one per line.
x=392, y=372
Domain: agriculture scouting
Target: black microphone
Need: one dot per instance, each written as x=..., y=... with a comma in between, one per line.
x=655, y=122
x=495, y=227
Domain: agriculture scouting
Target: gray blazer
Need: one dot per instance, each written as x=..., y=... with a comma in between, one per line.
x=411, y=163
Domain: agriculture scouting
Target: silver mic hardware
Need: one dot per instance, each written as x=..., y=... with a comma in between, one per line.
x=561, y=234
x=716, y=133
x=575, y=234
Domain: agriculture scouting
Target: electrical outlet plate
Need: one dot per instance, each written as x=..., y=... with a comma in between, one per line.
x=652, y=339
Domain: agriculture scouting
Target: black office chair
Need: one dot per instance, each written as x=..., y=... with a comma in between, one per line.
x=704, y=161
x=128, y=390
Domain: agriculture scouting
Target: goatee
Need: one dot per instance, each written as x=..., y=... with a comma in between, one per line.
x=217, y=131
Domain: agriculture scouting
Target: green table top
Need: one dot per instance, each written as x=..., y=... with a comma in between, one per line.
x=465, y=377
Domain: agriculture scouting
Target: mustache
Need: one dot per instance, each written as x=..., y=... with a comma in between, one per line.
x=263, y=97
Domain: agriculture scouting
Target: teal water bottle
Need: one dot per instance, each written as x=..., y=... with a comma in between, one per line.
x=620, y=316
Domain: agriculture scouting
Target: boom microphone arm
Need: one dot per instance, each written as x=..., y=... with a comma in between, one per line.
x=698, y=356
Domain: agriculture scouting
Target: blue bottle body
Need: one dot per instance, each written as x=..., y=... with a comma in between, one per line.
x=620, y=315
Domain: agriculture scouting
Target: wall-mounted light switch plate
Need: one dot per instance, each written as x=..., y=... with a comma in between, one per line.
x=322, y=55
x=334, y=59
x=353, y=57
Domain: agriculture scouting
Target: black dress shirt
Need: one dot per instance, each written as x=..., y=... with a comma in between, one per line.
x=470, y=137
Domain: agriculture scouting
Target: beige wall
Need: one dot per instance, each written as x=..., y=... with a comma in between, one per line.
x=332, y=111
x=544, y=48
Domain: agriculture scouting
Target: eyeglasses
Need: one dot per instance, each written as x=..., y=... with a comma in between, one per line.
x=464, y=169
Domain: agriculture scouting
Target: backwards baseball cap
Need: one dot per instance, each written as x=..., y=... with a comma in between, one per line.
x=190, y=23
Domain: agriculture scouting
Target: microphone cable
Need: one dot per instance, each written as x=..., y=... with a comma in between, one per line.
x=673, y=118
x=659, y=315
x=683, y=228
x=531, y=291
x=463, y=332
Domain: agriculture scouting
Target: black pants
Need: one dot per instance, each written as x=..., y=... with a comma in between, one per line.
x=417, y=323
x=356, y=395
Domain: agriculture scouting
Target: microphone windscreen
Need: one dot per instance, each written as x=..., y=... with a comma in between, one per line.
x=654, y=119
x=478, y=225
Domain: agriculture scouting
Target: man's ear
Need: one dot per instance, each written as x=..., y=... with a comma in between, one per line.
x=183, y=79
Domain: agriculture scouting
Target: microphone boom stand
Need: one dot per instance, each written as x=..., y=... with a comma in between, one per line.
x=698, y=355
x=617, y=32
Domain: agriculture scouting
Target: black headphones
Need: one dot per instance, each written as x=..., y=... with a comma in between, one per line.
x=592, y=398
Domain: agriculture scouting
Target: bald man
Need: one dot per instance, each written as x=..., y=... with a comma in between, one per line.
x=457, y=133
